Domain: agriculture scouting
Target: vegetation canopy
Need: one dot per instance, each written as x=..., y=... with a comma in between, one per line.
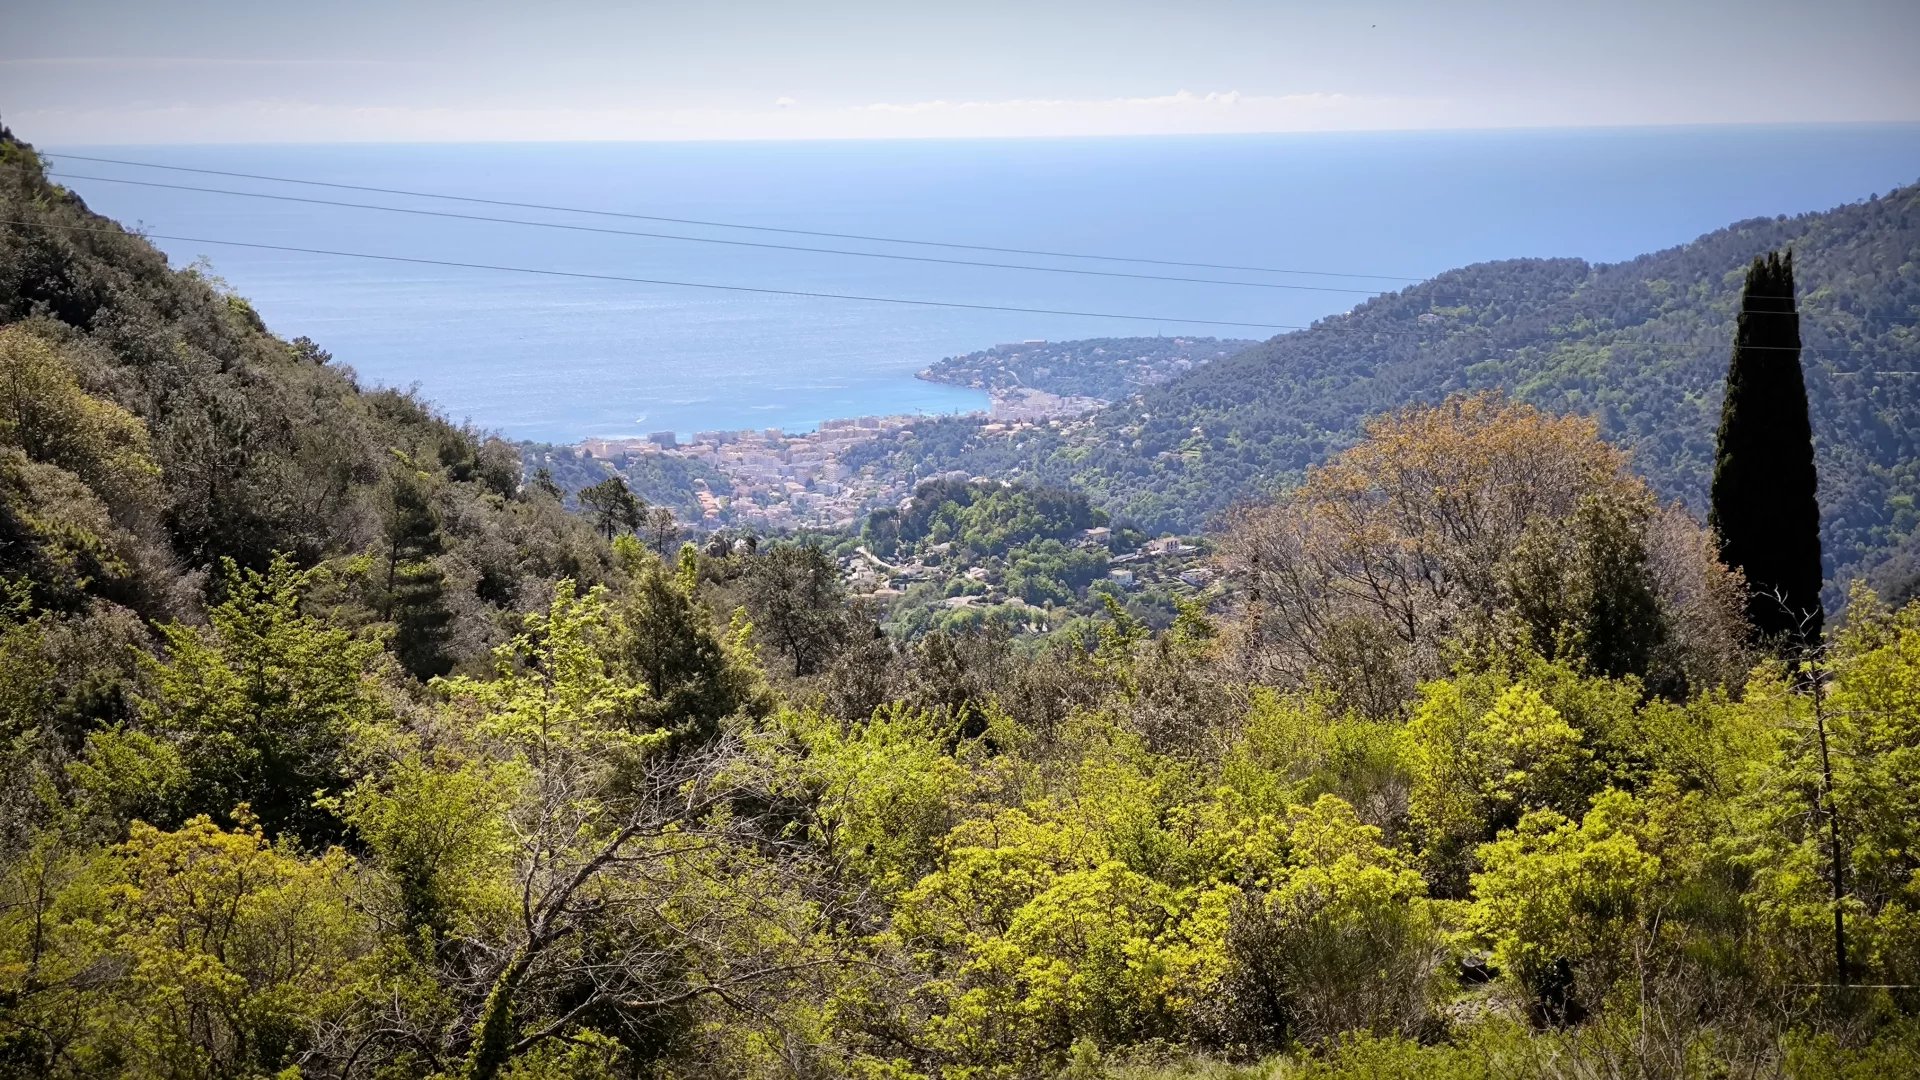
x=338, y=744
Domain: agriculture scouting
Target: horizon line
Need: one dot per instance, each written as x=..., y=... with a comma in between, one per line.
x=1514, y=129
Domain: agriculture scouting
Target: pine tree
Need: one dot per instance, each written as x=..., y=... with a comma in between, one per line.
x=614, y=506
x=415, y=599
x=544, y=483
x=1764, y=485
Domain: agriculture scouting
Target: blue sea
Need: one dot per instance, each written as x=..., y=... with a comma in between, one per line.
x=561, y=358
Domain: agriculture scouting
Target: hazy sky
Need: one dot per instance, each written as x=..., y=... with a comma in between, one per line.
x=151, y=71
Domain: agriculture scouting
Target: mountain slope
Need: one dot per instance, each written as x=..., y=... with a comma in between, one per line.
x=1642, y=345
x=232, y=443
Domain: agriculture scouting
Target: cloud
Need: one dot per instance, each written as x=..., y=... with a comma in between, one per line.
x=1182, y=112
x=123, y=62
x=1180, y=99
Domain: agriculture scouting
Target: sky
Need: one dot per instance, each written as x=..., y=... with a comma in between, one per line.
x=201, y=71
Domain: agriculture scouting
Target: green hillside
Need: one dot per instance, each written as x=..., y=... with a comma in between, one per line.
x=1642, y=345
x=1107, y=368
x=181, y=432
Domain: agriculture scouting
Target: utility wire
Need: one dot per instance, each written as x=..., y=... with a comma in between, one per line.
x=117, y=231
x=717, y=240
x=728, y=224
x=1435, y=286
x=655, y=281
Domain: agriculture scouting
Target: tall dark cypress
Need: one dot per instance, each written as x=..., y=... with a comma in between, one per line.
x=416, y=589
x=1765, y=507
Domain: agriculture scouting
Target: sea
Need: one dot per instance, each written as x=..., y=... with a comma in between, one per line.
x=620, y=334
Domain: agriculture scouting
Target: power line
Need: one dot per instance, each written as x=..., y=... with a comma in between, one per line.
x=657, y=281
x=717, y=240
x=1433, y=284
x=731, y=225
x=116, y=231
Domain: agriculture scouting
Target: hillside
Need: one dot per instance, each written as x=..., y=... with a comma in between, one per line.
x=661, y=480
x=1105, y=368
x=962, y=555
x=181, y=432
x=1641, y=345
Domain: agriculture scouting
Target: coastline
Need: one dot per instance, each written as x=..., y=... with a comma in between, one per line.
x=773, y=478
x=782, y=479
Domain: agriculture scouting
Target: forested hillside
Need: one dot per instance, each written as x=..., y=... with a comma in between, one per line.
x=966, y=554
x=161, y=429
x=330, y=747
x=660, y=479
x=1641, y=345
x=1105, y=368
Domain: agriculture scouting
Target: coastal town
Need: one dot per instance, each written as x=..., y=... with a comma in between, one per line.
x=775, y=480
x=778, y=480
x=771, y=480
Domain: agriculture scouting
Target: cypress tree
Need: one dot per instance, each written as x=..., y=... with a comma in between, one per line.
x=416, y=589
x=1765, y=508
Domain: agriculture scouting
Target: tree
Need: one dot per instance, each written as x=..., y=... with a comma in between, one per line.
x=47, y=414
x=614, y=506
x=544, y=483
x=77, y=483
x=260, y=706
x=881, y=532
x=1564, y=903
x=1844, y=847
x=1590, y=590
x=641, y=883
x=415, y=600
x=1344, y=940
x=1444, y=526
x=666, y=640
x=1765, y=504
x=58, y=535
x=665, y=530
x=178, y=955
x=1476, y=769
x=795, y=596
x=438, y=827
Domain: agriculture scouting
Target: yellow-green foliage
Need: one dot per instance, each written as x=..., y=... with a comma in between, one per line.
x=551, y=887
x=1296, y=748
x=261, y=706
x=438, y=824
x=887, y=789
x=1583, y=894
x=1484, y=750
x=195, y=953
x=47, y=414
x=553, y=686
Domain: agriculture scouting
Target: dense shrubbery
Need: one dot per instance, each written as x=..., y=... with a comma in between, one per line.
x=695, y=817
